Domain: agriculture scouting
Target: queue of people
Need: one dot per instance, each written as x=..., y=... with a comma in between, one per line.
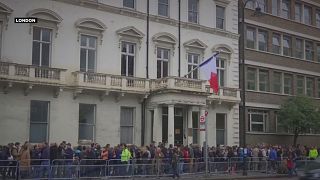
x=63, y=160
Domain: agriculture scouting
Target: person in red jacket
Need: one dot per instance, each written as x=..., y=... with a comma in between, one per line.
x=186, y=158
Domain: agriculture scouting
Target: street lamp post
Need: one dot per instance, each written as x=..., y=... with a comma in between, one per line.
x=242, y=4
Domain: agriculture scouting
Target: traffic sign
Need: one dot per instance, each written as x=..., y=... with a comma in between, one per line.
x=202, y=119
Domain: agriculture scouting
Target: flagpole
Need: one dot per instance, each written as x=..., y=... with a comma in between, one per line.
x=218, y=52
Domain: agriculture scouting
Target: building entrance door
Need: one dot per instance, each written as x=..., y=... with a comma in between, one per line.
x=178, y=126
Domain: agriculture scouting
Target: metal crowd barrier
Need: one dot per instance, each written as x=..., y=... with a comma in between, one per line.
x=8, y=168
x=162, y=167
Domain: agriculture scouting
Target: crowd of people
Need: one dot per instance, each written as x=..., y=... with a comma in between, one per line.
x=63, y=160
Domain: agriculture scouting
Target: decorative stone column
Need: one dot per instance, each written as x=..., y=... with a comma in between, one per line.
x=157, y=124
x=171, y=124
x=190, y=136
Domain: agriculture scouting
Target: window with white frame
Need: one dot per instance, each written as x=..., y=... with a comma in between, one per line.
x=298, y=12
x=286, y=9
x=299, y=48
x=318, y=18
x=87, y=121
x=263, y=80
x=251, y=38
x=310, y=87
x=127, y=58
x=262, y=40
x=193, y=62
x=88, y=53
x=220, y=17
x=309, y=51
x=251, y=78
x=163, y=7
x=39, y=120
x=276, y=43
x=126, y=125
x=221, y=70
x=287, y=46
x=300, y=85
x=307, y=15
x=193, y=11
x=41, y=46
x=129, y=3
x=163, y=59
x=257, y=120
x=275, y=7
x=287, y=84
x=277, y=82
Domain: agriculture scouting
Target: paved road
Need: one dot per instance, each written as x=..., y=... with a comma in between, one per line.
x=285, y=178
x=213, y=178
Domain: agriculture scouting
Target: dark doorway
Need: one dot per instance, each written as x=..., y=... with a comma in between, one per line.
x=178, y=126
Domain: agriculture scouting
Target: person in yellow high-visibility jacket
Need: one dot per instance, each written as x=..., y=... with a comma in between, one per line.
x=125, y=157
x=313, y=153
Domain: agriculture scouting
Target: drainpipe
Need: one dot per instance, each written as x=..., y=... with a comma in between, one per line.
x=179, y=34
x=147, y=42
x=143, y=104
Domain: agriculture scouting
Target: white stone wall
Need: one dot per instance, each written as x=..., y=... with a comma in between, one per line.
x=64, y=116
x=17, y=47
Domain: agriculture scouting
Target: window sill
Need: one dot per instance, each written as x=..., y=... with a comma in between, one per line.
x=278, y=133
x=291, y=57
x=273, y=93
x=291, y=20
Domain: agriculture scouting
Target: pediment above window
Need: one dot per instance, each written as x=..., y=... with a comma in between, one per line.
x=90, y=26
x=164, y=38
x=5, y=12
x=222, y=2
x=130, y=31
x=91, y=23
x=222, y=48
x=45, y=14
x=195, y=44
x=46, y=18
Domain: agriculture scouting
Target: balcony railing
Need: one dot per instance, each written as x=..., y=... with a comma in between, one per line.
x=224, y=93
x=177, y=83
x=29, y=73
x=107, y=81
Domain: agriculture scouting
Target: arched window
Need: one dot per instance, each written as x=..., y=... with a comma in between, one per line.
x=194, y=53
x=223, y=61
x=5, y=12
x=42, y=35
x=90, y=32
x=46, y=19
x=129, y=38
x=164, y=49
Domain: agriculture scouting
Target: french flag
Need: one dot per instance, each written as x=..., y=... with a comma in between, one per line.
x=208, y=71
